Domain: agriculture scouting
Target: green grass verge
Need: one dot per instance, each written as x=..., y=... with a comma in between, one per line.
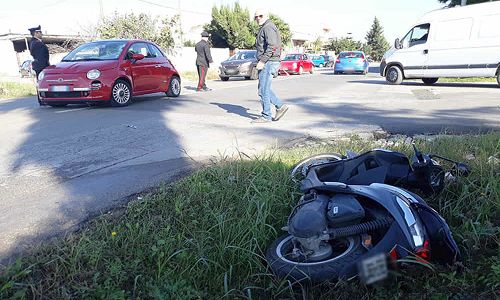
x=193, y=76
x=16, y=90
x=205, y=237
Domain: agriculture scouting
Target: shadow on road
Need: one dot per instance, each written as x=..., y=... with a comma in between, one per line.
x=236, y=109
x=439, y=84
x=60, y=166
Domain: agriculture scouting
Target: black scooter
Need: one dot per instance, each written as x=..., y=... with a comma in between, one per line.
x=354, y=216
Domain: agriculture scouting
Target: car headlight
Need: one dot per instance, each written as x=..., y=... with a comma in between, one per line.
x=295, y=65
x=93, y=74
x=41, y=75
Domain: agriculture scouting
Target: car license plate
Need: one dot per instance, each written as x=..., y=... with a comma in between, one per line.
x=60, y=88
x=349, y=69
x=373, y=269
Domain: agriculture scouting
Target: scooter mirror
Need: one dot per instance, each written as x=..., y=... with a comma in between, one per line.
x=462, y=168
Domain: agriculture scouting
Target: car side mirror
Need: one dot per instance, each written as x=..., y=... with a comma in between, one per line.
x=136, y=57
x=397, y=45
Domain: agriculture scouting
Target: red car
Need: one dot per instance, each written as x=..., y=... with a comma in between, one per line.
x=109, y=71
x=297, y=63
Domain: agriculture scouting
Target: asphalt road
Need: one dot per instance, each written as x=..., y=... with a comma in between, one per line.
x=61, y=166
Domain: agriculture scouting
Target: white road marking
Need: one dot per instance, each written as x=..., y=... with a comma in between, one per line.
x=70, y=110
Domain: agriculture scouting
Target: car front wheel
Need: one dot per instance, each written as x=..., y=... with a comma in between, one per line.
x=121, y=94
x=224, y=78
x=174, y=88
x=394, y=76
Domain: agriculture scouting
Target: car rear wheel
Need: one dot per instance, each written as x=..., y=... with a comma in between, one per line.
x=429, y=81
x=301, y=70
x=254, y=75
x=224, y=78
x=321, y=65
x=121, y=93
x=394, y=75
x=174, y=87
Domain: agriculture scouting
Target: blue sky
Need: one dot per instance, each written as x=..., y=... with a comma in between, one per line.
x=340, y=17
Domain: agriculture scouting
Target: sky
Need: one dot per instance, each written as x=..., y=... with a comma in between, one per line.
x=342, y=18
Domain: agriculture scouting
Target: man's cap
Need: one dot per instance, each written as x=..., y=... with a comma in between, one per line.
x=261, y=12
x=39, y=28
x=205, y=34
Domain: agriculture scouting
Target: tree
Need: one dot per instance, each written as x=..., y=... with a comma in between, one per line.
x=376, y=40
x=233, y=28
x=317, y=44
x=142, y=26
x=344, y=44
x=452, y=3
x=189, y=43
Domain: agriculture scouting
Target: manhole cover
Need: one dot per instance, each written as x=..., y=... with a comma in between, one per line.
x=425, y=95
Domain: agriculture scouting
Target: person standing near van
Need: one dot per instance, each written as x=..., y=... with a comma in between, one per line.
x=38, y=50
x=203, y=60
x=268, y=55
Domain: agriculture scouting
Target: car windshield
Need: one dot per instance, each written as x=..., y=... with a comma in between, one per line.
x=102, y=50
x=243, y=55
x=292, y=57
x=351, y=55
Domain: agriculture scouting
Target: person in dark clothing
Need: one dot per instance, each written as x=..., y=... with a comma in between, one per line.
x=268, y=46
x=203, y=60
x=38, y=50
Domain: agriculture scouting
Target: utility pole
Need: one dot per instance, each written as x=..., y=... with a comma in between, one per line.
x=102, y=13
x=180, y=24
x=464, y=2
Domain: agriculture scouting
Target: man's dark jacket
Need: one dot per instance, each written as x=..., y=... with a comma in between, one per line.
x=204, y=58
x=40, y=53
x=268, y=42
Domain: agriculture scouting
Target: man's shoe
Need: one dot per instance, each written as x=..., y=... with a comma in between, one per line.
x=280, y=112
x=261, y=120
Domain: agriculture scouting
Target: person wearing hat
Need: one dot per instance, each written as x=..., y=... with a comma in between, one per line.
x=268, y=46
x=203, y=60
x=38, y=50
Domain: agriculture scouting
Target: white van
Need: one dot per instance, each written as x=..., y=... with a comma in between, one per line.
x=462, y=41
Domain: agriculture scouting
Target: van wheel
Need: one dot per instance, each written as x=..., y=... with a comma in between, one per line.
x=498, y=76
x=429, y=81
x=394, y=75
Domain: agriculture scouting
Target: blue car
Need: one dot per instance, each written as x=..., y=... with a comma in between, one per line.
x=318, y=61
x=351, y=62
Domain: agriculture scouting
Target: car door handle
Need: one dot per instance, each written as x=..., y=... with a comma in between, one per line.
x=157, y=66
x=426, y=51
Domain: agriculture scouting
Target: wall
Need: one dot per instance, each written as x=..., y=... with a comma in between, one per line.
x=184, y=59
x=9, y=60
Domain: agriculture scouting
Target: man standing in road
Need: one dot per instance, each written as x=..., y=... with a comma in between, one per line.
x=203, y=60
x=38, y=50
x=269, y=55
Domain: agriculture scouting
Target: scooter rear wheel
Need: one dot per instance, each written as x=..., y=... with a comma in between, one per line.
x=279, y=258
x=299, y=170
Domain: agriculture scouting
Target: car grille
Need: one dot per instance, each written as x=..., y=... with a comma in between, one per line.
x=231, y=70
x=63, y=94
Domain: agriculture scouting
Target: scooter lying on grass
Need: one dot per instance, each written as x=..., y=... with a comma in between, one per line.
x=353, y=217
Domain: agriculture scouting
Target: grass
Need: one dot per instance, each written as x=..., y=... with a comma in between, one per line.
x=16, y=90
x=205, y=237
x=193, y=76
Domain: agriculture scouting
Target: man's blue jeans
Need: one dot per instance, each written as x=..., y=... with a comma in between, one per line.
x=266, y=95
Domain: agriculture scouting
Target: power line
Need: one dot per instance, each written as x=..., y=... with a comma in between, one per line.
x=170, y=7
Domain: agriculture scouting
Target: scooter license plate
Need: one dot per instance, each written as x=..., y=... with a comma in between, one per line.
x=373, y=269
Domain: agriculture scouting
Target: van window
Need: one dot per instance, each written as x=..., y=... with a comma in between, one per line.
x=418, y=35
x=489, y=27
x=453, y=30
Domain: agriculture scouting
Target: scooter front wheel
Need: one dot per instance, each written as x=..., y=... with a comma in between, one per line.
x=299, y=170
x=279, y=257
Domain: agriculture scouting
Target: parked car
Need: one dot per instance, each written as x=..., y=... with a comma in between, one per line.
x=26, y=70
x=241, y=64
x=297, y=63
x=351, y=62
x=318, y=61
x=461, y=41
x=329, y=60
x=111, y=71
